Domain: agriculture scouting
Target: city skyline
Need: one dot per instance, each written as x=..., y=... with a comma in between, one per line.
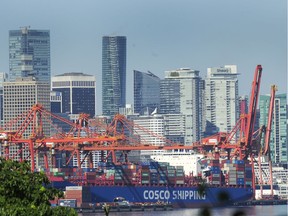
x=198, y=35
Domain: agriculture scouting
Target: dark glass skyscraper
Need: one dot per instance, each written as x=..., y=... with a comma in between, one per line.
x=29, y=54
x=146, y=92
x=78, y=92
x=113, y=74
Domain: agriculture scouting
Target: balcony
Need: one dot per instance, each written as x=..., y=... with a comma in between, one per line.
x=26, y=68
x=26, y=57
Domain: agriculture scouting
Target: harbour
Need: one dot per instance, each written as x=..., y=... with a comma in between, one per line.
x=263, y=210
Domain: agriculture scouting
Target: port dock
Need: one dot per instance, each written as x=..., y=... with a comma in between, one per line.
x=130, y=208
x=261, y=202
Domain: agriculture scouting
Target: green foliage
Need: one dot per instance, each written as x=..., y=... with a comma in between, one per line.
x=23, y=192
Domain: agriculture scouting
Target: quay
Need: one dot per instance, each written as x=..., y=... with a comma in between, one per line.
x=130, y=208
x=261, y=202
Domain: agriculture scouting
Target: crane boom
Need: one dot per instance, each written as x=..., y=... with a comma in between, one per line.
x=270, y=117
x=253, y=105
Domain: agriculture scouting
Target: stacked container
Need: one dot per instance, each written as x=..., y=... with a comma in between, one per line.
x=163, y=173
x=154, y=175
x=79, y=193
x=215, y=177
x=248, y=174
x=145, y=174
x=229, y=171
x=240, y=168
x=179, y=177
x=171, y=175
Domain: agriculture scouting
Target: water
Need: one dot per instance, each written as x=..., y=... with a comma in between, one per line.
x=276, y=210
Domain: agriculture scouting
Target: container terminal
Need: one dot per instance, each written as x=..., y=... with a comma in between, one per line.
x=228, y=160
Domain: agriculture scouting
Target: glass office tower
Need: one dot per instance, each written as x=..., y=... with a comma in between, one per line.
x=29, y=54
x=113, y=74
x=146, y=92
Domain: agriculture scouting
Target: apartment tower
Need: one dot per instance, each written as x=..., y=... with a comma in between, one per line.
x=221, y=99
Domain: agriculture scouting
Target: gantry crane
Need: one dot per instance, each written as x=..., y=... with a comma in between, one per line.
x=266, y=148
x=239, y=142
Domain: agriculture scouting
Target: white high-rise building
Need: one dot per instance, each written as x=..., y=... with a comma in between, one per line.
x=153, y=124
x=221, y=99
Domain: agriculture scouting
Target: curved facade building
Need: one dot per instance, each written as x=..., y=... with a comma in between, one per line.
x=146, y=92
x=113, y=74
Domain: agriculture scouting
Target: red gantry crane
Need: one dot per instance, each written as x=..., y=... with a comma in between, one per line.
x=240, y=142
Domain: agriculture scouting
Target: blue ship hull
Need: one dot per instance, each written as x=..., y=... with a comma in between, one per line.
x=183, y=197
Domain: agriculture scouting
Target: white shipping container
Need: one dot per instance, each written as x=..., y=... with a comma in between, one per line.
x=73, y=188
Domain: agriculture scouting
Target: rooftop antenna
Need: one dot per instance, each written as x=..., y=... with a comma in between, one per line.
x=24, y=29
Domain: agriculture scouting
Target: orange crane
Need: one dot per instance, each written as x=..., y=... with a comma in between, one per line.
x=266, y=149
x=112, y=137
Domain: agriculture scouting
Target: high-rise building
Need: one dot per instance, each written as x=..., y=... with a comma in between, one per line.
x=113, y=74
x=29, y=54
x=78, y=92
x=155, y=125
x=56, y=102
x=221, y=99
x=19, y=97
x=174, y=127
x=146, y=92
x=278, y=140
x=3, y=78
x=180, y=93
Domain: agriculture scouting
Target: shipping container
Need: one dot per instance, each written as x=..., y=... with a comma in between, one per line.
x=72, y=203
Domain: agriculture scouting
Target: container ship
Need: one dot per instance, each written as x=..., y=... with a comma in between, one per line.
x=219, y=182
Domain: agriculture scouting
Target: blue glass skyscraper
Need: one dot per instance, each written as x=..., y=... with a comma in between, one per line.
x=146, y=92
x=29, y=54
x=113, y=74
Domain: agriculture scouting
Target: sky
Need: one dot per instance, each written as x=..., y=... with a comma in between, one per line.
x=161, y=35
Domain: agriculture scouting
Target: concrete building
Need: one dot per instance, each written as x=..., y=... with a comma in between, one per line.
x=221, y=99
x=180, y=93
x=19, y=97
x=29, y=54
x=146, y=92
x=78, y=92
x=113, y=74
x=278, y=140
x=3, y=78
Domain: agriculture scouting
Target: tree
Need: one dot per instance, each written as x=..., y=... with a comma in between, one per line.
x=23, y=192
